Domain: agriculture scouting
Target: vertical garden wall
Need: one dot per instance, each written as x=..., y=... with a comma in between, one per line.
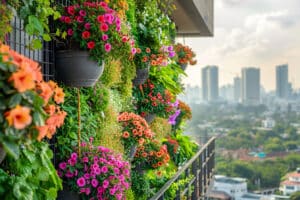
x=112, y=115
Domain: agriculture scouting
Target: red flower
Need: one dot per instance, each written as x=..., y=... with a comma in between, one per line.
x=67, y=20
x=71, y=10
x=100, y=19
x=104, y=27
x=86, y=35
x=91, y=45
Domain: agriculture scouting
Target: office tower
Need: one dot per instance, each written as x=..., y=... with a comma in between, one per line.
x=282, y=81
x=237, y=89
x=251, y=86
x=210, y=83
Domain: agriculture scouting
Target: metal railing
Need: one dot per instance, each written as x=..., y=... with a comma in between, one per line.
x=201, y=167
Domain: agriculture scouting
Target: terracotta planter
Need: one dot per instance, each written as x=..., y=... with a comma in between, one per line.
x=2, y=154
x=141, y=76
x=74, y=68
x=150, y=117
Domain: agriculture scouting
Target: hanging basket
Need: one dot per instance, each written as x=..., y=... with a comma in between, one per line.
x=150, y=117
x=74, y=68
x=183, y=66
x=141, y=76
x=2, y=154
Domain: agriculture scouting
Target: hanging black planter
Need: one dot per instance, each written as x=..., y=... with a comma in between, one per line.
x=74, y=68
x=141, y=76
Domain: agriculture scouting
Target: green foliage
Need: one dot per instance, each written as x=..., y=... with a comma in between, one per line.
x=171, y=192
x=35, y=14
x=32, y=176
x=6, y=16
x=295, y=196
x=140, y=186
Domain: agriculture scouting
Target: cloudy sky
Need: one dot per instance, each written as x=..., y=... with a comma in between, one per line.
x=259, y=33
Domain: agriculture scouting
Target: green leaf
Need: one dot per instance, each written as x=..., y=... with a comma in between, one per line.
x=15, y=100
x=46, y=37
x=37, y=44
x=12, y=148
x=43, y=174
x=38, y=119
x=64, y=35
x=73, y=135
x=57, y=33
x=22, y=190
x=52, y=194
x=36, y=24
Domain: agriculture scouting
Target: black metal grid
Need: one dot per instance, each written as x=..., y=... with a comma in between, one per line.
x=18, y=41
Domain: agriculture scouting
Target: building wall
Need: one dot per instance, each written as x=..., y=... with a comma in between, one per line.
x=251, y=86
x=282, y=81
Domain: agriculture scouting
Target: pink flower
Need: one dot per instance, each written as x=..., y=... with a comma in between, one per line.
x=87, y=191
x=67, y=20
x=94, y=183
x=105, y=184
x=80, y=19
x=81, y=182
x=85, y=159
x=97, y=171
x=116, y=171
x=87, y=26
x=74, y=156
x=109, y=18
x=62, y=165
x=104, y=37
x=82, y=13
x=70, y=32
x=118, y=28
x=87, y=176
x=107, y=47
x=100, y=189
x=133, y=51
x=118, y=21
x=104, y=27
x=104, y=169
x=112, y=191
x=69, y=174
x=95, y=166
x=124, y=39
x=103, y=4
x=71, y=10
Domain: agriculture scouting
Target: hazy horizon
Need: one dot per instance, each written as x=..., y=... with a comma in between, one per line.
x=250, y=33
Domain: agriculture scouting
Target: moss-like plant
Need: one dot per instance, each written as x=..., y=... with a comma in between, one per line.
x=161, y=127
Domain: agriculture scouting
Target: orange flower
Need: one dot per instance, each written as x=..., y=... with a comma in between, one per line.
x=148, y=50
x=59, y=95
x=50, y=109
x=45, y=91
x=22, y=80
x=144, y=154
x=43, y=131
x=126, y=134
x=141, y=141
x=19, y=117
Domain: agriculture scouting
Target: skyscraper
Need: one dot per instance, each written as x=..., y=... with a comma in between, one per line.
x=282, y=81
x=251, y=85
x=210, y=83
x=237, y=89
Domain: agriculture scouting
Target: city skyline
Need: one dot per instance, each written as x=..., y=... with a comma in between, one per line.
x=260, y=33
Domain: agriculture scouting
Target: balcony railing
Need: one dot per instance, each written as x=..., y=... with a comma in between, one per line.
x=201, y=168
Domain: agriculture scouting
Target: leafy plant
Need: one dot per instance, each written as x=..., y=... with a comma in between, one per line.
x=185, y=54
x=6, y=16
x=32, y=176
x=36, y=14
x=28, y=104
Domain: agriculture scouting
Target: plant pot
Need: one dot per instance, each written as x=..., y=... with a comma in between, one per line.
x=132, y=152
x=74, y=68
x=183, y=66
x=150, y=117
x=66, y=194
x=2, y=154
x=141, y=76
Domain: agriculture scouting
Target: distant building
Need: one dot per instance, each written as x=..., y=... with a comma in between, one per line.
x=291, y=184
x=282, y=81
x=250, y=86
x=237, y=84
x=268, y=123
x=226, y=92
x=210, y=83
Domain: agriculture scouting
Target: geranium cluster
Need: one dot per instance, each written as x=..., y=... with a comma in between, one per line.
x=98, y=174
x=29, y=104
x=145, y=57
x=94, y=26
x=151, y=155
x=152, y=97
x=135, y=130
x=185, y=55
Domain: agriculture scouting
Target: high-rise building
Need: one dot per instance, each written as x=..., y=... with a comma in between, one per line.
x=251, y=85
x=237, y=84
x=282, y=81
x=210, y=83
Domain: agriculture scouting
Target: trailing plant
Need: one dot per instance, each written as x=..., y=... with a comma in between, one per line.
x=32, y=176
x=35, y=14
x=29, y=108
x=6, y=16
x=140, y=185
x=97, y=173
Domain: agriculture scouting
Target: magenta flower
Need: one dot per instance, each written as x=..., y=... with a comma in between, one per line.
x=94, y=183
x=62, y=165
x=97, y=171
x=86, y=176
x=85, y=159
x=70, y=32
x=87, y=26
x=74, y=156
x=80, y=19
x=104, y=169
x=82, y=13
x=116, y=171
x=105, y=184
x=112, y=191
x=87, y=191
x=133, y=51
x=104, y=37
x=81, y=182
x=107, y=47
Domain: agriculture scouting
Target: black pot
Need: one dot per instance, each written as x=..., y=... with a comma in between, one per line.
x=183, y=66
x=75, y=68
x=150, y=117
x=141, y=76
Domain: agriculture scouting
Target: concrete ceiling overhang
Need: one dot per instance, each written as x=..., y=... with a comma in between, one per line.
x=194, y=18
